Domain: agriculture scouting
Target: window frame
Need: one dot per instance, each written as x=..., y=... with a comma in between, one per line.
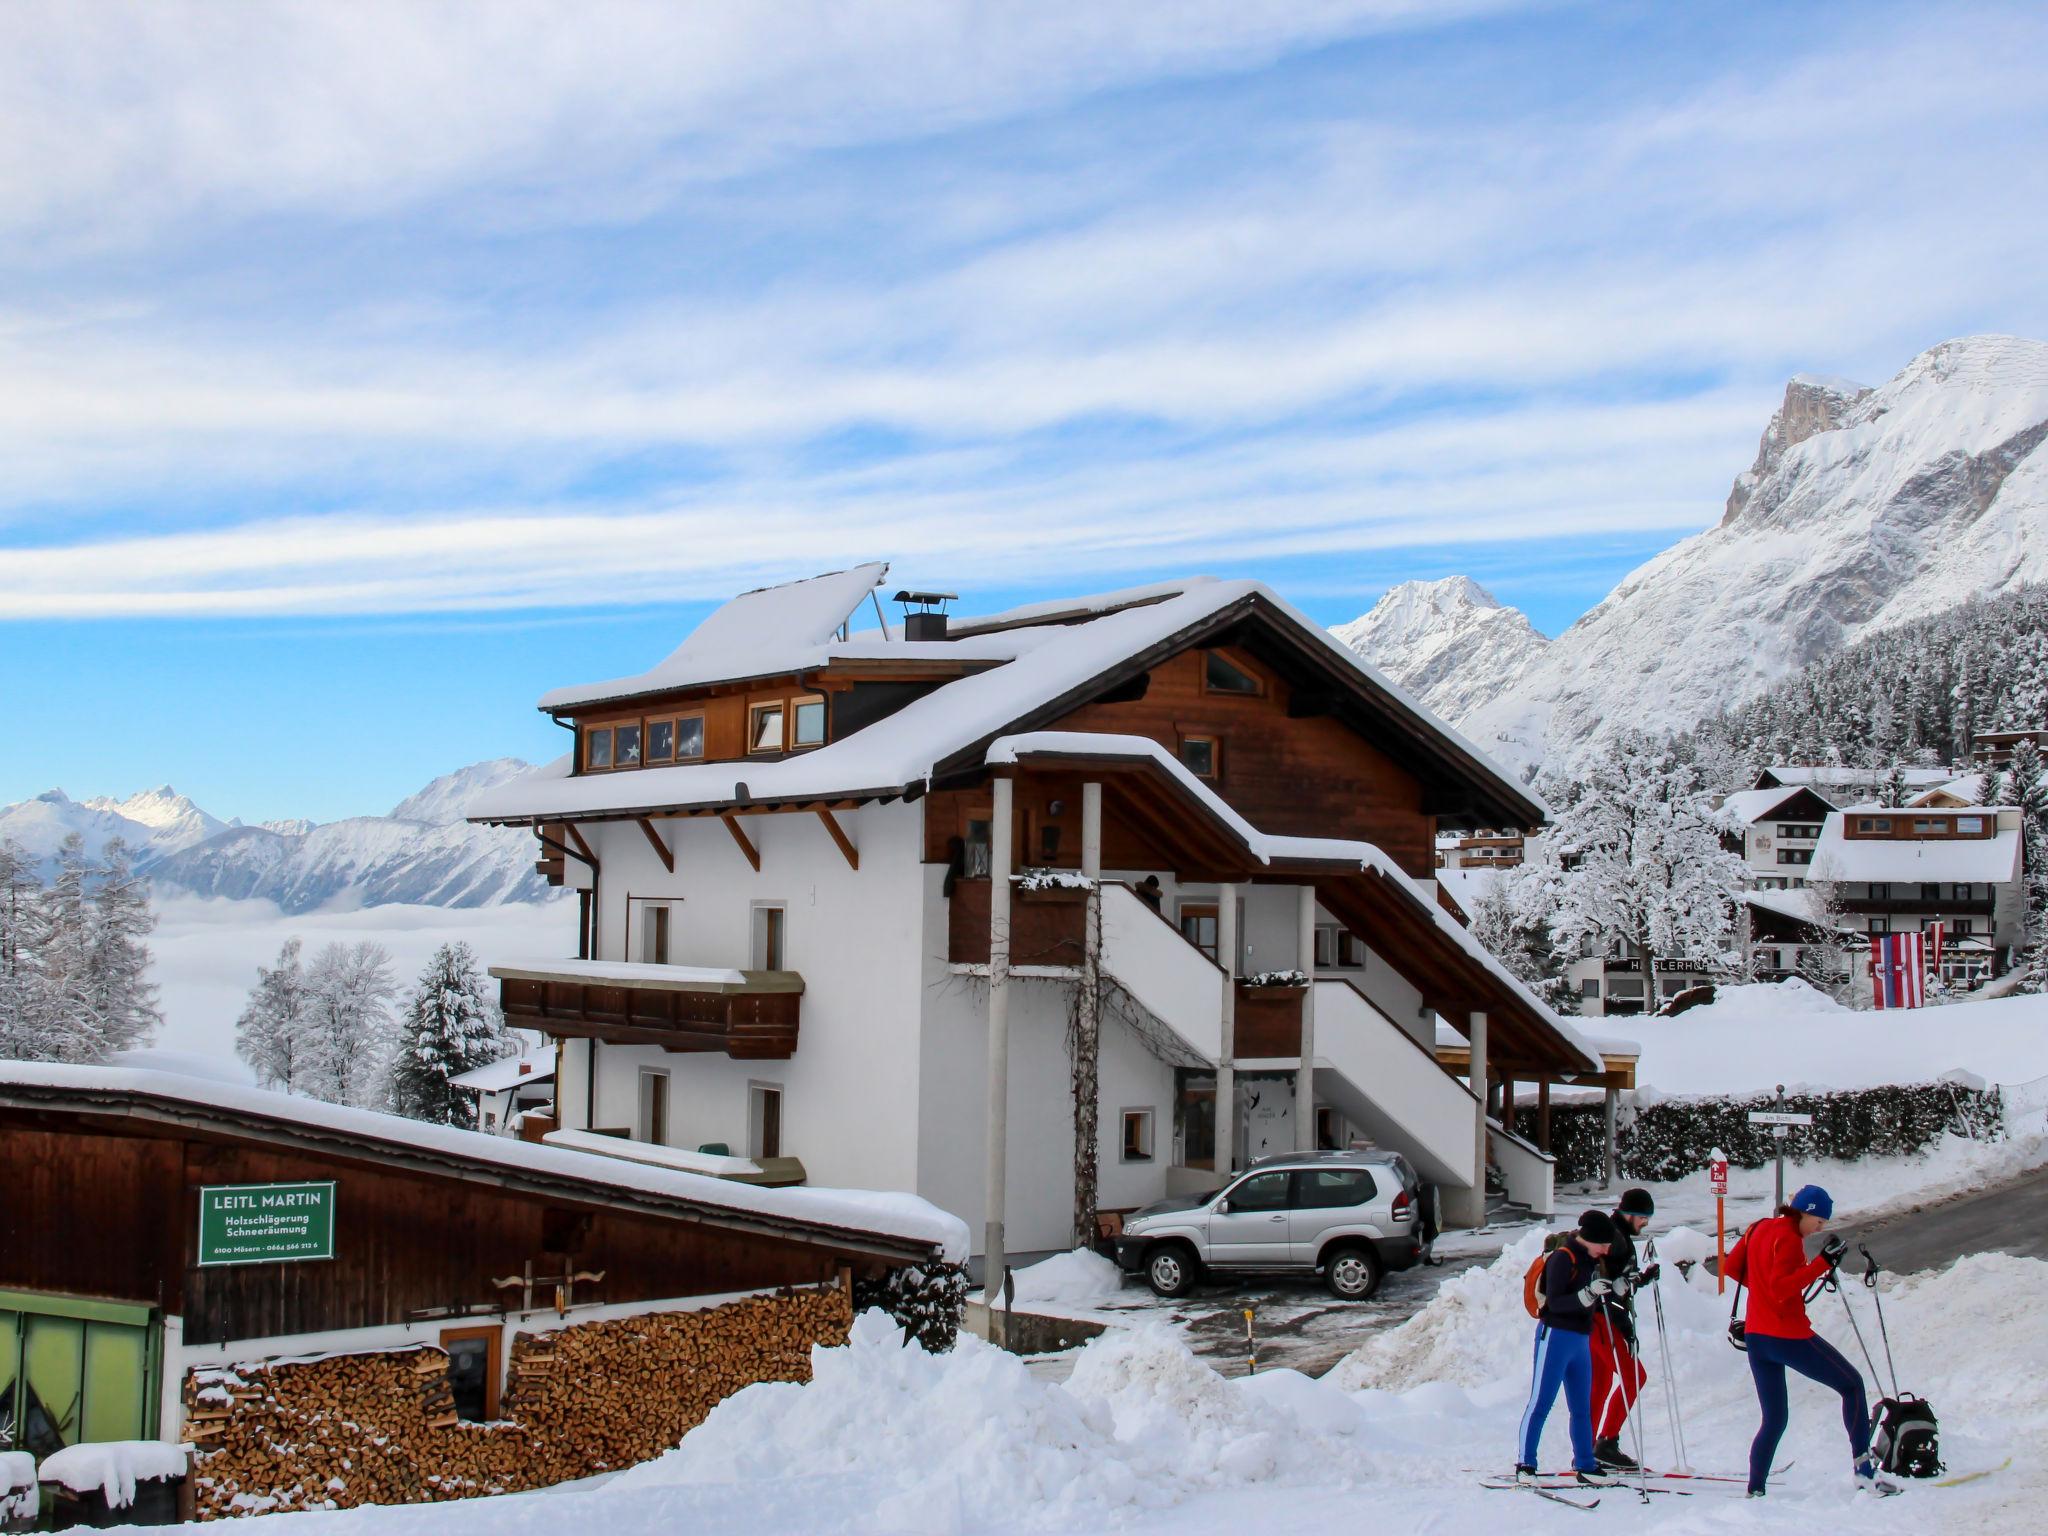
x=1215, y=742
x=768, y=936
x=1148, y=1120
x=642, y=1126
x=590, y=734
x=493, y=1340
x=789, y=730
x=1284, y=1175
x=1299, y=1185
x=754, y=712
x=758, y=1094
x=1218, y=653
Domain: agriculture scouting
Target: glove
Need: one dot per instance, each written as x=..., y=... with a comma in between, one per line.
x=1649, y=1276
x=1622, y=1286
x=1833, y=1249
x=1600, y=1287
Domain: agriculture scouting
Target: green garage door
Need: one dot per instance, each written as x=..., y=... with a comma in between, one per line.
x=73, y=1370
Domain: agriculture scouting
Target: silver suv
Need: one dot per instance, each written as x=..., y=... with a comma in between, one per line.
x=1348, y=1216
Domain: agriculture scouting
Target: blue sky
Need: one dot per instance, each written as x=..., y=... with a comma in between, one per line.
x=365, y=370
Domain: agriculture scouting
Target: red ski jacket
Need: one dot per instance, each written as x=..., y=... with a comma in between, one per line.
x=1771, y=1260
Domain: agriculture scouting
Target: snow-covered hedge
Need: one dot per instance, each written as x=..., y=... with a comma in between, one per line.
x=926, y=1300
x=1670, y=1138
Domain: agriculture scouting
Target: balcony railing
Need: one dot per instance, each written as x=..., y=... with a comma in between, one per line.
x=749, y=1015
x=1268, y=1022
x=1045, y=926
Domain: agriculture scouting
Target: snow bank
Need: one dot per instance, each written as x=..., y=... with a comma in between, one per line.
x=19, y=1497
x=1751, y=1037
x=971, y=1439
x=1079, y=1278
x=113, y=1467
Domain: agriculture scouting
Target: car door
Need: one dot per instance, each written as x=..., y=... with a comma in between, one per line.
x=1249, y=1226
x=1323, y=1200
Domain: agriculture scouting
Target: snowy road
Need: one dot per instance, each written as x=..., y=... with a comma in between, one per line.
x=2012, y=1218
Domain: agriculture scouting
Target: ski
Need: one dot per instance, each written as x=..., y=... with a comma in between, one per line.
x=1971, y=1477
x=1542, y=1493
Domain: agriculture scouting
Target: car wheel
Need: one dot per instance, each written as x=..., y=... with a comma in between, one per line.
x=1352, y=1273
x=1170, y=1270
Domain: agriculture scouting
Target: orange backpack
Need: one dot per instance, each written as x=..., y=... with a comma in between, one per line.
x=1532, y=1278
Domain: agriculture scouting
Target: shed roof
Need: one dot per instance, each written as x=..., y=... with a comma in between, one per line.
x=497, y=1076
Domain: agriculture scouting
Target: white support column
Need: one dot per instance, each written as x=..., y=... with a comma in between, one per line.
x=1305, y=1074
x=1609, y=1107
x=1226, y=1060
x=1476, y=1211
x=1088, y=1027
x=1001, y=836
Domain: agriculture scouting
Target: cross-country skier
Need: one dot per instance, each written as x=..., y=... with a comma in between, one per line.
x=1771, y=1260
x=1618, y=1373
x=1572, y=1287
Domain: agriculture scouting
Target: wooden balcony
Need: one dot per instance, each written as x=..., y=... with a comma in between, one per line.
x=1268, y=1022
x=1045, y=926
x=749, y=1015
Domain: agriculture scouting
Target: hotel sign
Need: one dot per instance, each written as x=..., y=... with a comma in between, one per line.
x=265, y=1223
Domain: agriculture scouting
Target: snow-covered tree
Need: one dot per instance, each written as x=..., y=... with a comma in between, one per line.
x=18, y=930
x=273, y=1033
x=1641, y=864
x=450, y=1027
x=74, y=956
x=350, y=1029
x=117, y=985
x=2025, y=784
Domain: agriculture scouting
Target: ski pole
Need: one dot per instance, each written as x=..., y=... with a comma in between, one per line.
x=1615, y=1385
x=1877, y=1301
x=1671, y=1409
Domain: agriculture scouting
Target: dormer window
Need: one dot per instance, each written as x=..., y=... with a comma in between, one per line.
x=597, y=748
x=626, y=746
x=1222, y=675
x=764, y=727
x=679, y=739
x=809, y=723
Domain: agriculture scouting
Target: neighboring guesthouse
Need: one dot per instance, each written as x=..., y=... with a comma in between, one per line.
x=507, y=1089
x=317, y=1298
x=820, y=870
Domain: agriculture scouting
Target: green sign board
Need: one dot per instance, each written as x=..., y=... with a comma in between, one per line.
x=265, y=1223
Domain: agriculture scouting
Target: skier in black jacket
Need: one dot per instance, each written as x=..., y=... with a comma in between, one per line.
x=1618, y=1373
x=1572, y=1288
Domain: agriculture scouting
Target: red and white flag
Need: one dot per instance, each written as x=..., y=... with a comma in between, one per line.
x=1898, y=970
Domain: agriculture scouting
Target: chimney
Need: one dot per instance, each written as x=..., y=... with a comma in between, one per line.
x=924, y=615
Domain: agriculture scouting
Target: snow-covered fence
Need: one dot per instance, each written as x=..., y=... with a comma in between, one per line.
x=2024, y=1107
x=1670, y=1138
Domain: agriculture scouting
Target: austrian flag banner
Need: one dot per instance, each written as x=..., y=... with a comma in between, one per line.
x=1898, y=973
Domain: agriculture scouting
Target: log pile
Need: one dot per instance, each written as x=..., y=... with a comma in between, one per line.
x=381, y=1428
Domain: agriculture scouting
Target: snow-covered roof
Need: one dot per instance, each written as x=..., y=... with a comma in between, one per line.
x=495, y=1077
x=1968, y=790
x=1748, y=806
x=1040, y=666
x=1976, y=860
x=1448, y=1038
x=1270, y=848
x=639, y=973
x=851, y=1214
x=750, y=636
x=1467, y=884
x=1797, y=905
x=1824, y=775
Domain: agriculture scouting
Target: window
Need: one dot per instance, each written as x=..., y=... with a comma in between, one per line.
x=1137, y=1136
x=1200, y=755
x=810, y=722
x=1961, y=927
x=1873, y=823
x=1590, y=987
x=1198, y=927
x=1959, y=892
x=1880, y=890
x=1795, y=855
x=1929, y=892
x=473, y=1372
x=1879, y=925
x=661, y=741
x=1923, y=825
x=653, y=1126
x=768, y=927
x=1971, y=825
x=1793, y=829
x=1350, y=951
x=689, y=737
x=1329, y=1129
x=654, y=934
x=597, y=748
x=764, y=1120
x=1222, y=675
x=626, y=746
x=764, y=727
x=1260, y=1192
x=975, y=863
x=1326, y=945
x=1321, y=1189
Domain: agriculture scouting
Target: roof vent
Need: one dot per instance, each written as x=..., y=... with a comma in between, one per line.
x=924, y=613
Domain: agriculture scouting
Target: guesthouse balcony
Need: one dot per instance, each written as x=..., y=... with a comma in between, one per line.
x=749, y=1015
x=1268, y=1022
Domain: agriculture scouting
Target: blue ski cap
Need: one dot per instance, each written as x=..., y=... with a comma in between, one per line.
x=1814, y=1201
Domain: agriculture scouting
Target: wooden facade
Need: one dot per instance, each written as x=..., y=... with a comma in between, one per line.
x=753, y=1022
x=106, y=1205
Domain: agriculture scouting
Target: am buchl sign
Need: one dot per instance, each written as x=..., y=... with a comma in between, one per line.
x=265, y=1223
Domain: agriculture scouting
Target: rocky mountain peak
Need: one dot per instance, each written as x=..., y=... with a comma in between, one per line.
x=1450, y=642
x=1813, y=404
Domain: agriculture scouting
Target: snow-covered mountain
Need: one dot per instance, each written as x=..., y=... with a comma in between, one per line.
x=423, y=852
x=1449, y=642
x=1864, y=508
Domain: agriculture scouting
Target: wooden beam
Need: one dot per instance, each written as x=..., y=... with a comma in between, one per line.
x=732, y=825
x=577, y=838
x=668, y=860
x=851, y=853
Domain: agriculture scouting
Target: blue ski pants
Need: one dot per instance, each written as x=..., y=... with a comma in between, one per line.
x=1563, y=1359
x=1817, y=1360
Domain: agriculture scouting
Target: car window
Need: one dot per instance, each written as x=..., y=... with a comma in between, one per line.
x=1320, y=1188
x=1260, y=1192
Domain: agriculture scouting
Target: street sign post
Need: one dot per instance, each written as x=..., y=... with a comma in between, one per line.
x=266, y=1223
x=1781, y=1122
x=1717, y=1181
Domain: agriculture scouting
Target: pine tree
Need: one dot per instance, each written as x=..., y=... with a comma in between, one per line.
x=450, y=1027
x=19, y=978
x=122, y=999
x=2025, y=785
x=350, y=1029
x=273, y=1033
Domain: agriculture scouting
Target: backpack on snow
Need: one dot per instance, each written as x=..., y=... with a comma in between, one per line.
x=1532, y=1278
x=1906, y=1438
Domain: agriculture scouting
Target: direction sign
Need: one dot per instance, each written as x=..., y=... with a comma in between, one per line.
x=265, y=1223
x=1717, y=1172
x=1777, y=1117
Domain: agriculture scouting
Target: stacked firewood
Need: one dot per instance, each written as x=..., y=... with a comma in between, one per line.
x=382, y=1429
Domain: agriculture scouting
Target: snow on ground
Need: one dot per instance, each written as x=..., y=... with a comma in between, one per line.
x=1753, y=1037
x=1077, y=1278
x=207, y=949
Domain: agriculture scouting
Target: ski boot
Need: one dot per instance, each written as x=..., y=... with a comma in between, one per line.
x=1868, y=1479
x=1600, y=1477
x=1611, y=1456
